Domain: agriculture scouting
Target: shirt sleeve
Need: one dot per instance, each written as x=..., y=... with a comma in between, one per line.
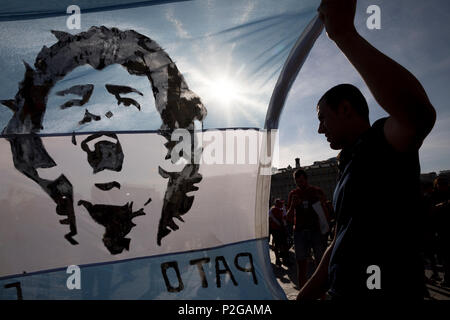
x=377, y=136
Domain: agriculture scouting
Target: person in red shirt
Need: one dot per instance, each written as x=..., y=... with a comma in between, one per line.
x=304, y=202
x=279, y=234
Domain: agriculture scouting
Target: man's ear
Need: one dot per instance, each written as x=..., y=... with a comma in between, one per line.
x=345, y=109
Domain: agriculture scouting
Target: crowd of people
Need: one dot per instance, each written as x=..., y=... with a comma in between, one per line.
x=297, y=223
x=305, y=221
x=436, y=210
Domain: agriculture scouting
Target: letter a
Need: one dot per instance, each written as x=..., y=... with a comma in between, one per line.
x=180, y=310
x=374, y=281
x=74, y=281
x=74, y=20
x=183, y=148
x=374, y=21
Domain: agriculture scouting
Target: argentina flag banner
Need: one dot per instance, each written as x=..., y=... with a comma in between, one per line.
x=136, y=145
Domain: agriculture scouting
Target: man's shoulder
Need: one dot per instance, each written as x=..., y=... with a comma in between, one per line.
x=374, y=134
x=374, y=144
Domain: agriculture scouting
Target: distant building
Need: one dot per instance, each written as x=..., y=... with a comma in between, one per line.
x=445, y=173
x=429, y=177
x=322, y=174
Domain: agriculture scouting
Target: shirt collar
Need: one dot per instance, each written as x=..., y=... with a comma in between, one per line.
x=347, y=153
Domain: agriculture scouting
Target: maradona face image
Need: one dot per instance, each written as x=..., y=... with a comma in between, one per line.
x=45, y=103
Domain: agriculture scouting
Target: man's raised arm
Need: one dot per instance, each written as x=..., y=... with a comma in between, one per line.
x=397, y=91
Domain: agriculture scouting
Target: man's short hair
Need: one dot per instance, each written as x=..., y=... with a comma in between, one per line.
x=300, y=172
x=350, y=93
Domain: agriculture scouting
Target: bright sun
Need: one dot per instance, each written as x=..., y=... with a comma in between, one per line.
x=230, y=97
x=224, y=90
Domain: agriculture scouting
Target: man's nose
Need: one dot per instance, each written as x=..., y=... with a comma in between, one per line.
x=320, y=130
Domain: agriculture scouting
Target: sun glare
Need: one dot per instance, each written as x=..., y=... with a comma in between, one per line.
x=224, y=90
x=230, y=98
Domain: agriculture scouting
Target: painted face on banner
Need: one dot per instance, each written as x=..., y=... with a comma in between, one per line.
x=90, y=100
x=102, y=170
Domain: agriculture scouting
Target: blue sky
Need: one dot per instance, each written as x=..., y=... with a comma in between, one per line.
x=231, y=52
x=415, y=34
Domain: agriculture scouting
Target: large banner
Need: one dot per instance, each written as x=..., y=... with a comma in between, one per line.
x=132, y=149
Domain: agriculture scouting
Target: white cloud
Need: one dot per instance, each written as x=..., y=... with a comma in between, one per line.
x=181, y=31
x=307, y=151
x=246, y=12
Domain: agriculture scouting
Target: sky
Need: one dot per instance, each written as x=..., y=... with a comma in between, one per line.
x=231, y=54
x=413, y=33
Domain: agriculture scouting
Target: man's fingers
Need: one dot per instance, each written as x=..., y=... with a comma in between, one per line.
x=321, y=16
x=321, y=8
x=326, y=3
x=336, y=2
x=324, y=9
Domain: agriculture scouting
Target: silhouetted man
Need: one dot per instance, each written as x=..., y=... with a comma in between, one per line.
x=308, y=236
x=376, y=249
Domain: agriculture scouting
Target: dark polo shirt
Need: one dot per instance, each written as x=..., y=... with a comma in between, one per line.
x=377, y=206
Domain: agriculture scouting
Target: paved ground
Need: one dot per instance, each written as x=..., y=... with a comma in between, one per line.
x=287, y=278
